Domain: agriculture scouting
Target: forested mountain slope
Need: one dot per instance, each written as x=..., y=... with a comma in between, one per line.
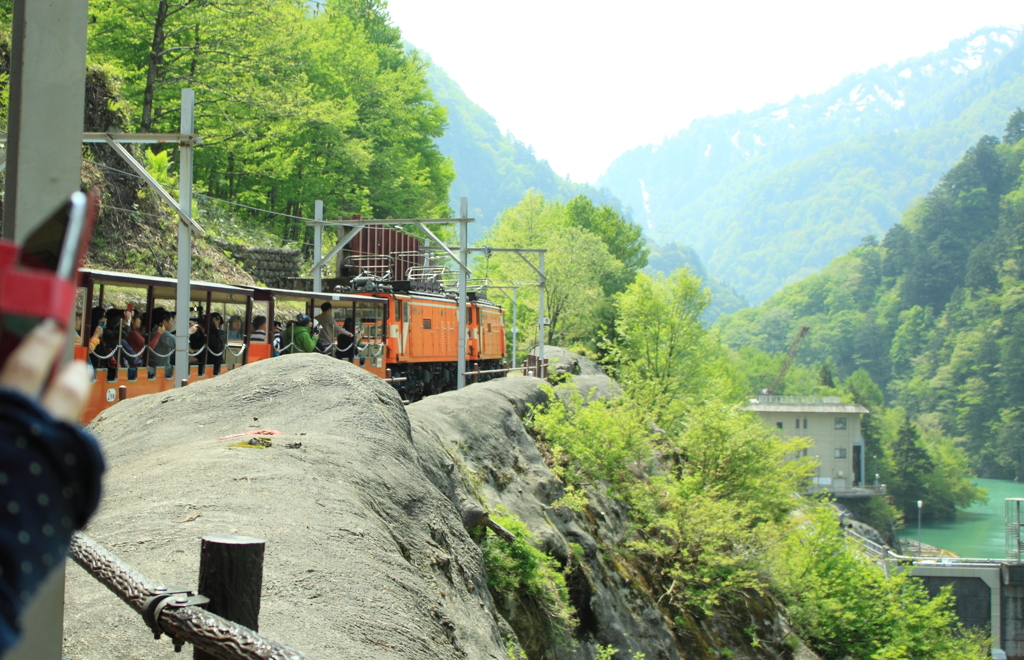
x=294, y=103
x=665, y=259
x=493, y=169
x=935, y=313
x=770, y=196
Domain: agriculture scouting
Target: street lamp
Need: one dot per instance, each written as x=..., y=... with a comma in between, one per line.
x=874, y=457
x=919, y=505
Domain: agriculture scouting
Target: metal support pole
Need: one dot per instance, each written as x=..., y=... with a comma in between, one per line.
x=463, y=261
x=515, y=326
x=188, y=101
x=540, y=312
x=919, y=504
x=318, y=245
x=47, y=101
x=44, y=157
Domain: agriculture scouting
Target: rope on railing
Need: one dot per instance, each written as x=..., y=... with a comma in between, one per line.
x=133, y=355
x=213, y=634
x=377, y=352
x=329, y=350
x=241, y=349
x=107, y=356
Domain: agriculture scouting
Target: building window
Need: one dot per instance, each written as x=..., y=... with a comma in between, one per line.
x=778, y=424
x=805, y=422
x=840, y=423
x=426, y=324
x=840, y=452
x=798, y=422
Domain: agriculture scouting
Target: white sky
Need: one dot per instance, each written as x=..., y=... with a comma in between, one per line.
x=584, y=80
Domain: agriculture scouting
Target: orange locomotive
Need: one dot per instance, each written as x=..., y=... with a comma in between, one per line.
x=422, y=341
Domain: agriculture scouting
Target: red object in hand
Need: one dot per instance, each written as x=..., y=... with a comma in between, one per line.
x=33, y=291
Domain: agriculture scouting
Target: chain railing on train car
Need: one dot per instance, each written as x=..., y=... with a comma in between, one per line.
x=175, y=612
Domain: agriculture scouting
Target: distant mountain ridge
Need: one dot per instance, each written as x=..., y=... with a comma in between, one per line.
x=770, y=196
x=493, y=169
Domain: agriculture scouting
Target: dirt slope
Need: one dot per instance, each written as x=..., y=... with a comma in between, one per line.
x=365, y=558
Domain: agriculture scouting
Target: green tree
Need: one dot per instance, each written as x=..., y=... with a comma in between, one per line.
x=624, y=239
x=910, y=468
x=577, y=267
x=293, y=104
x=1014, y=132
x=845, y=606
x=825, y=374
x=660, y=343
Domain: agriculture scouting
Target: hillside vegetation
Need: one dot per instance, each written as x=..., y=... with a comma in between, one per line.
x=668, y=258
x=933, y=314
x=709, y=491
x=294, y=102
x=771, y=196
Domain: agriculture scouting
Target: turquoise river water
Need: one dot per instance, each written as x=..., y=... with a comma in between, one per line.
x=976, y=532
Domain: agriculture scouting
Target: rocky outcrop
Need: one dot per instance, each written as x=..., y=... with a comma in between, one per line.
x=366, y=556
x=364, y=506
x=510, y=472
x=563, y=361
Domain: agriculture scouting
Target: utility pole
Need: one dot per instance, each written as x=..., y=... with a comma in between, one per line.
x=182, y=299
x=540, y=313
x=44, y=163
x=460, y=378
x=919, y=505
x=318, y=244
x=47, y=103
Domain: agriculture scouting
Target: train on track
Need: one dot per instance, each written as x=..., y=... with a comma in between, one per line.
x=405, y=333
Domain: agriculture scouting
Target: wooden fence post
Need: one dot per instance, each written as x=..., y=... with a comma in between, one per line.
x=231, y=576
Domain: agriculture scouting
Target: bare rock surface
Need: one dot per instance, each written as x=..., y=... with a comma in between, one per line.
x=563, y=361
x=365, y=556
x=483, y=427
x=587, y=375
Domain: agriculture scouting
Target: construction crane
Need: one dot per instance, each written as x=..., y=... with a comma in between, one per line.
x=788, y=361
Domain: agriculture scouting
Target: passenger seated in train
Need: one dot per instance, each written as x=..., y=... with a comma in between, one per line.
x=259, y=329
x=134, y=338
x=297, y=337
x=111, y=342
x=347, y=340
x=162, y=341
x=96, y=332
x=235, y=330
x=132, y=345
x=215, y=343
x=277, y=338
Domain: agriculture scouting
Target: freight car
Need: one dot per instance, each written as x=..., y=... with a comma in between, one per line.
x=405, y=336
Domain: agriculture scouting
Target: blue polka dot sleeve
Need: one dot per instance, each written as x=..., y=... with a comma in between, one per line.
x=49, y=486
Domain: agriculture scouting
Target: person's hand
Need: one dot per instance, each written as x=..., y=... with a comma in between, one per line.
x=29, y=365
x=98, y=332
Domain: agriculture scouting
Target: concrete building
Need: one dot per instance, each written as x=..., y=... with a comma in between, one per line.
x=834, y=427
